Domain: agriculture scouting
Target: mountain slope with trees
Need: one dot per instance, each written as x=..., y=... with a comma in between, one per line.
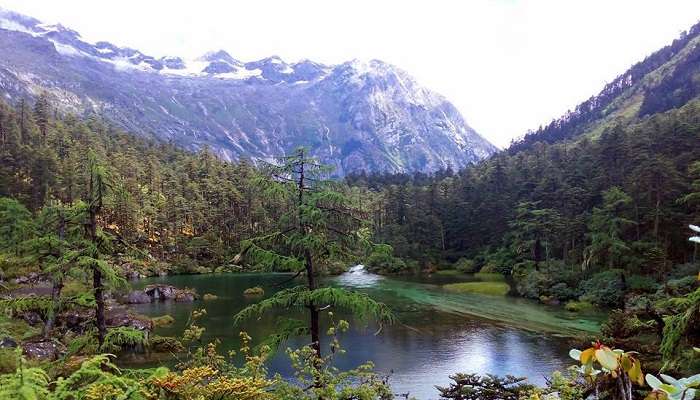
x=355, y=115
x=666, y=79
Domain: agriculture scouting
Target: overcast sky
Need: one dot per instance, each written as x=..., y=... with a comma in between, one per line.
x=508, y=66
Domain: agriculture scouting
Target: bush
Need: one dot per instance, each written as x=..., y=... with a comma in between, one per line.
x=577, y=306
x=382, y=260
x=641, y=283
x=680, y=287
x=605, y=288
x=683, y=270
x=562, y=292
x=466, y=266
x=621, y=325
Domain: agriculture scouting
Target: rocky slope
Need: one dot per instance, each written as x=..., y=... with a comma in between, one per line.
x=356, y=115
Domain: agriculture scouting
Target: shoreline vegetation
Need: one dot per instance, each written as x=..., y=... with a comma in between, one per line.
x=85, y=207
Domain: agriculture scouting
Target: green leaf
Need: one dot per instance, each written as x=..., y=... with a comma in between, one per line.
x=575, y=354
x=653, y=381
x=607, y=359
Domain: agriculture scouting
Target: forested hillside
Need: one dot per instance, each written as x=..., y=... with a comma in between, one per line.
x=664, y=80
x=187, y=210
x=622, y=201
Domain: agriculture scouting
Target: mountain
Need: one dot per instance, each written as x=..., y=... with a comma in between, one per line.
x=356, y=115
x=667, y=79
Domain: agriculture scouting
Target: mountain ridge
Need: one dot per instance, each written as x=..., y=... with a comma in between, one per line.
x=666, y=79
x=358, y=115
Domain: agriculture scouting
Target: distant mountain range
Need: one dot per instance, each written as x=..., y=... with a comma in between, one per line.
x=667, y=79
x=356, y=116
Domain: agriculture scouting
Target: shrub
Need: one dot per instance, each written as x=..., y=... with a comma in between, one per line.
x=489, y=387
x=641, y=283
x=681, y=286
x=621, y=325
x=683, y=270
x=165, y=344
x=577, y=306
x=530, y=283
x=605, y=288
x=382, y=260
x=562, y=292
x=466, y=266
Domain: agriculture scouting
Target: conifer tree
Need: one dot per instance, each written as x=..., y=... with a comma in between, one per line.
x=319, y=225
x=97, y=243
x=51, y=247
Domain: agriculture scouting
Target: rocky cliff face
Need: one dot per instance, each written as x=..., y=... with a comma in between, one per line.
x=356, y=115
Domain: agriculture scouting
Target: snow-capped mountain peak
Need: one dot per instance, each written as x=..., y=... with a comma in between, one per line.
x=356, y=115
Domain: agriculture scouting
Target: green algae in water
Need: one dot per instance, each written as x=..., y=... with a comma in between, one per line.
x=490, y=277
x=438, y=332
x=487, y=288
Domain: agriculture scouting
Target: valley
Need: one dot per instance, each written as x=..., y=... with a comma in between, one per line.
x=210, y=228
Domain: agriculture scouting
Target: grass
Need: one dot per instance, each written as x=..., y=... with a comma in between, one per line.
x=490, y=276
x=488, y=288
x=448, y=272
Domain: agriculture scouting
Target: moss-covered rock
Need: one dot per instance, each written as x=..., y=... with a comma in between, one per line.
x=163, y=320
x=254, y=291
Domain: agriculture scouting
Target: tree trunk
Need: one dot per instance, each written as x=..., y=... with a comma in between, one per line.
x=100, y=309
x=95, y=206
x=55, y=298
x=313, y=309
x=657, y=216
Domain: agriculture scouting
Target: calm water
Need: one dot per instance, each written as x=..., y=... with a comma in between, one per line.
x=439, y=333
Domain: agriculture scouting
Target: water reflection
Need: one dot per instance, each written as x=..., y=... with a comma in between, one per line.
x=431, y=341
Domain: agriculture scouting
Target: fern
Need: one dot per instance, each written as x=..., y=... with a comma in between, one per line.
x=98, y=378
x=18, y=305
x=124, y=336
x=676, y=326
x=25, y=383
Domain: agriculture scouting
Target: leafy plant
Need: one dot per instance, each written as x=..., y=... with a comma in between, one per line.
x=600, y=361
x=674, y=389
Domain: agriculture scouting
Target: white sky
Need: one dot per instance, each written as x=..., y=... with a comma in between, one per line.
x=508, y=65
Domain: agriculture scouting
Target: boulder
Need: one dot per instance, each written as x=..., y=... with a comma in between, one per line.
x=31, y=317
x=137, y=297
x=77, y=319
x=140, y=323
x=45, y=350
x=161, y=292
x=7, y=343
x=185, y=296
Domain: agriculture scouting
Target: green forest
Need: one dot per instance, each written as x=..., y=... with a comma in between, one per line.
x=593, y=223
x=586, y=224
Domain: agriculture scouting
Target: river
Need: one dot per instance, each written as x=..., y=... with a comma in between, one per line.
x=439, y=332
